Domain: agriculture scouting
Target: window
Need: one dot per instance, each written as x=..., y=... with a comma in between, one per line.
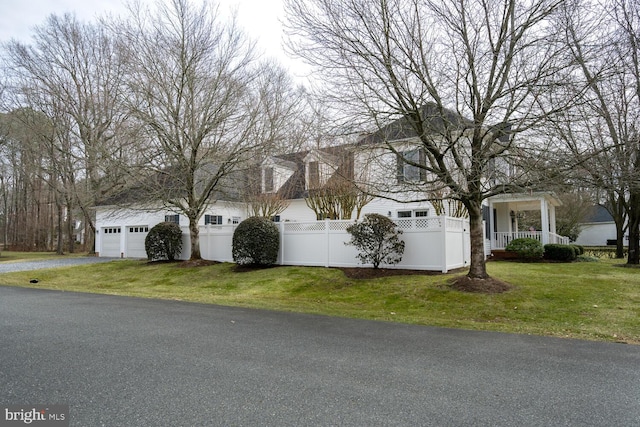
x=172, y=218
x=235, y=220
x=314, y=175
x=268, y=180
x=275, y=218
x=407, y=171
x=410, y=214
x=144, y=229
x=212, y=219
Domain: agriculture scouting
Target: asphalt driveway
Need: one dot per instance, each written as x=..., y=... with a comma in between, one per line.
x=7, y=267
x=121, y=361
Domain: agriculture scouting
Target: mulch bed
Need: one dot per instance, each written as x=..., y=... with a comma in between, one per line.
x=372, y=273
x=484, y=286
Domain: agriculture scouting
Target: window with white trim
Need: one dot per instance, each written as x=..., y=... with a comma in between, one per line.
x=268, y=180
x=409, y=166
x=416, y=213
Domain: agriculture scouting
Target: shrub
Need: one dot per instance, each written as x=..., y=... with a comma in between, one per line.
x=377, y=241
x=163, y=242
x=578, y=248
x=559, y=252
x=526, y=248
x=256, y=241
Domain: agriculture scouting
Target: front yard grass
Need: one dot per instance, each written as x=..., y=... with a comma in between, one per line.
x=594, y=301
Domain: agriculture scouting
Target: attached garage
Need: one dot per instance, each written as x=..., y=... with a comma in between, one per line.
x=134, y=238
x=110, y=242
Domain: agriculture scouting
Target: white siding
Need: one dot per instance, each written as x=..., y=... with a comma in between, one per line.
x=597, y=234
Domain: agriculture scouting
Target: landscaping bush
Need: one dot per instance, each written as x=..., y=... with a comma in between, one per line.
x=578, y=248
x=558, y=252
x=163, y=242
x=256, y=241
x=526, y=248
x=376, y=238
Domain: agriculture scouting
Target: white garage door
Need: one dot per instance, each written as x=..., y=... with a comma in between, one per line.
x=135, y=241
x=110, y=242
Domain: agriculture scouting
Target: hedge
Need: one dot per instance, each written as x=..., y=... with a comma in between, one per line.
x=558, y=252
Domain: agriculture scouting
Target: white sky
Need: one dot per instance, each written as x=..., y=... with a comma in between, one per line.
x=260, y=18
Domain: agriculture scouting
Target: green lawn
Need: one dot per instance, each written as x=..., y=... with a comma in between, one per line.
x=595, y=301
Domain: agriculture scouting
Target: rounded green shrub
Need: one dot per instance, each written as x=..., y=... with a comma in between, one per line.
x=256, y=241
x=163, y=242
x=558, y=252
x=578, y=248
x=376, y=239
x=526, y=248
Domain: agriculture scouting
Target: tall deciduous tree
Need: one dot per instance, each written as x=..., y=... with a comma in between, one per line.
x=602, y=131
x=195, y=92
x=464, y=77
x=72, y=73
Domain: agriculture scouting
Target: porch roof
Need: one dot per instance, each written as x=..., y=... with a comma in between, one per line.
x=526, y=201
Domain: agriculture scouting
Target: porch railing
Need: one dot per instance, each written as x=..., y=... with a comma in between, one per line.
x=502, y=239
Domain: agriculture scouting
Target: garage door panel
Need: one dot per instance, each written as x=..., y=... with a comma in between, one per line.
x=111, y=241
x=136, y=234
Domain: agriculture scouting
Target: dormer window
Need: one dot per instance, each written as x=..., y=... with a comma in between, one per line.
x=319, y=166
x=268, y=180
x=274, y=174
x=314, y=175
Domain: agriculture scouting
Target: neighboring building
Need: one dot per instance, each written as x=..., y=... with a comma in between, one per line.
x=599, y=229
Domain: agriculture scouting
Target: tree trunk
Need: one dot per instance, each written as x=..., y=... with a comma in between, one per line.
x=60, y=234
x=634, y=229
x=478, y=267
x=619, y=239
x=194, y=234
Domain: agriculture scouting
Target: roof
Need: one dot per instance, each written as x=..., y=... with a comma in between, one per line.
x=598, y=213
x=294, y=187
x=434, y=120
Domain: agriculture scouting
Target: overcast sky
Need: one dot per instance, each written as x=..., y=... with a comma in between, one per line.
x=260, y=18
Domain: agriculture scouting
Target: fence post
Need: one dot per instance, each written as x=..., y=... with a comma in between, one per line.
x=444, y=243
x=326, y=239
x=281, y=227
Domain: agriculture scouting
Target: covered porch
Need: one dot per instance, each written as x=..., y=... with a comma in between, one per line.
x=514, y=216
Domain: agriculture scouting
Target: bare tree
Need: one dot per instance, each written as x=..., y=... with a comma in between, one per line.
x=194, y=92
x=457, y=80
x=602, y=131
x=72, y=73
x=337, y=200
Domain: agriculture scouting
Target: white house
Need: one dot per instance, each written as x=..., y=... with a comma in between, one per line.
x=296, y=177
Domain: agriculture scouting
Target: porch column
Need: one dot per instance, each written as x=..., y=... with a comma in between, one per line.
x=492, y=232
x=544, y=219
x=552, y=219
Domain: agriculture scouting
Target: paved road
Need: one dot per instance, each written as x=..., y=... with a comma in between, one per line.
x=121, y=361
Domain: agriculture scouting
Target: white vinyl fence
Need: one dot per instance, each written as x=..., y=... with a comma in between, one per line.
x=431, y=243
